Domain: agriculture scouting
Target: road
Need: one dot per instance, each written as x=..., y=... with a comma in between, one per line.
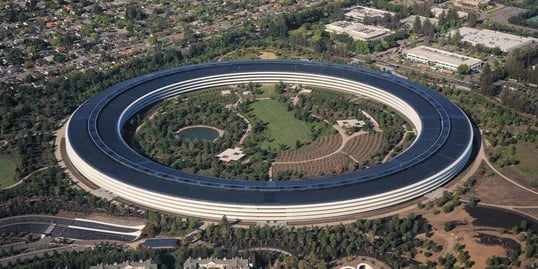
x=39, y=253
x=70, y=228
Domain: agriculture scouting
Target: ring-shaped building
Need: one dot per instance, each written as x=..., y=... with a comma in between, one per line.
x=97, y=150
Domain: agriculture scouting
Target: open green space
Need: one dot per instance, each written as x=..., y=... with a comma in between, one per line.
x=528, y=164
x=7, y=172
x=283, y=127
x=268, y=91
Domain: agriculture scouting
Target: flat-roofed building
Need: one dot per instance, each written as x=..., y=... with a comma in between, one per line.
x=473, y=3
x=351, y=123
x=148, y=264
x=410, y=21
x=441, y=59
x=437, y=11
x=234, y=263
x=231, y=154
x=494, y=39
x=357, y=31
x=359, y=13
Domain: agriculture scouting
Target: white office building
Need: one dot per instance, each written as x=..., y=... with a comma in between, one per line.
x=494, y=39
x=359, y=13
x=357, y=31
x=441, y=59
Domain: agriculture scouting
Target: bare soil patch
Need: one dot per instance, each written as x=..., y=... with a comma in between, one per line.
x=464, y=235
x=493, y=189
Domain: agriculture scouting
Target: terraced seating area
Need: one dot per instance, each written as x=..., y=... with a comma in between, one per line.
x=363, y=146
x=318, y=148
x=333, y=164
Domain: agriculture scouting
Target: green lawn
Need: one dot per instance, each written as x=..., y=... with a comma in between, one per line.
x=268, y=91
x=7, y=172
x=283, y=127
x=526, y=154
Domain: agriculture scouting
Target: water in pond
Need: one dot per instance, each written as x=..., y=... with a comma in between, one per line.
x=199, y=133
x=493, y=217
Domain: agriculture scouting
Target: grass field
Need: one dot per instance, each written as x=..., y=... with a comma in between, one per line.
x=283, y=127
x=7, y=172
x=268, y=91
x=528, y=164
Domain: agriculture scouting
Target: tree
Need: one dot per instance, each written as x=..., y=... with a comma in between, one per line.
x=471, y=19
x=362, y=47
x=449, y=226
x=473, y=201
x=463, y=70
x=486, y=81
x=417, y=25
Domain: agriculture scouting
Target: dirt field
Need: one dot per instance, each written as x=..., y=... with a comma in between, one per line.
x=493, y=189
x=464, y=235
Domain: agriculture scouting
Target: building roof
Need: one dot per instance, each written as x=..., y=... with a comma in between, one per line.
x=351, y=123
x=232, y=263
x=437, y=11
x=407, y=168
x=409, y=21
x=357, y=31
x=360, y=12
x=148, y=264
x=443, y=56
x=231, y=154
x=492, y=39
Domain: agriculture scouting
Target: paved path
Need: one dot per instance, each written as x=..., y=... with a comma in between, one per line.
x=25, y=178
x=249, y=129
x=508, y=179
x=270, y=249
x=389, y=155
x=40, y=253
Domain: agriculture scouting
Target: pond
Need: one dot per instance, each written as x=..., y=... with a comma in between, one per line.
x=199, y=133
x=493, y=217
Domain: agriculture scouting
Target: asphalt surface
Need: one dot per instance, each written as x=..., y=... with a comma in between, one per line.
x=68, y=228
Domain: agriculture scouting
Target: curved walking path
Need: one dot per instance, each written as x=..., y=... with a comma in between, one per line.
x=508, y=179
x=511, y=208
x=249, y=129
x=388, y=156
x=279, y=250
x=25, y=178
x=219, y=131
x=481, y=156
